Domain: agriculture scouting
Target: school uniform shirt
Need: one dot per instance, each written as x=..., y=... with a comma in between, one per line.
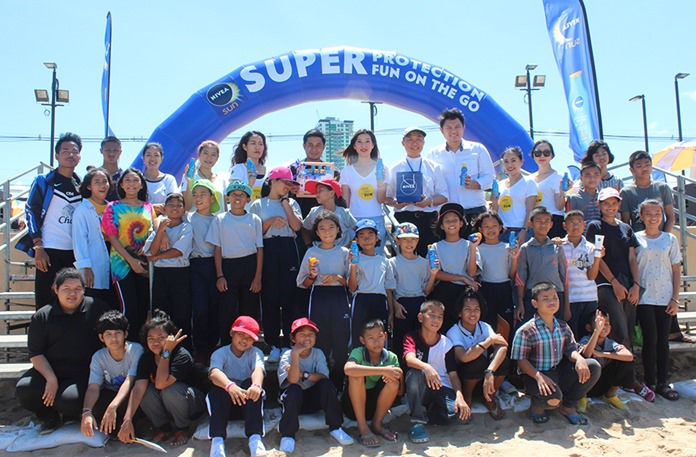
x=512, y=204
x=181, y=239
x=220, y=184
x=586, y=203
x=411, y=276
x=438, y=355
x=180, y=366
x=237, y=369
x=158, y=189
x=541, y=262
x=609, y=345
x=315, y=362
x=200, y=225
x=632, y=196
x=363, y=191
x=544, y=347
x=110, y=373
x=618, y=239
x=655, y=259
x=345, y=220
x=433, y=181
x=239, y=173
x=547, y=190
x=479, y=166
x=495, y=262
x=332, y=261
x=454, y=258
x=460, y=336
x=56, y=231
x=375, y=275
x=89, y=246
x=361, y=357
x=266, y=208
x=579, y=260
x=237, y=236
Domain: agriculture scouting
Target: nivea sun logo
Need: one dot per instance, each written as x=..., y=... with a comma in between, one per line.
x=578, y=102
x=223, y=94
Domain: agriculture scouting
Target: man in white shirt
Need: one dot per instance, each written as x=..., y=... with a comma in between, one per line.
x=416, y=189
x=458, y=156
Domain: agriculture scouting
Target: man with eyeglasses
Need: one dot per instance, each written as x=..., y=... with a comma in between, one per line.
x=52, y=200
x=466, y=165
x=416, y=188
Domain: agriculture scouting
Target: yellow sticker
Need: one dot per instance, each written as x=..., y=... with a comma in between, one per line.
x=366, y=191
x=256, y=193
x=505, y=203
x=540, y=198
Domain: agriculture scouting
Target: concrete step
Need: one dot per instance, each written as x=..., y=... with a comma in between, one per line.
x=16, y=315
x=16, y=295
x=22, y=277
x=687, y=317
x=13, y=370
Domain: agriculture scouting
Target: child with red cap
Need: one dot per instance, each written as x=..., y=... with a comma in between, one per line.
x=237, y=373
x=303, y=377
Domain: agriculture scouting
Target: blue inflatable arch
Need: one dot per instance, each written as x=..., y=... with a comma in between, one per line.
x=297, y=77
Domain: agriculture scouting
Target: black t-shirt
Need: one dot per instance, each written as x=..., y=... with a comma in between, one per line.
x=66, y=340
x=618, y=239
x=180, y=365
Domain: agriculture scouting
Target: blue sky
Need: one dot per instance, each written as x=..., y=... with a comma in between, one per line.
x=165, y=51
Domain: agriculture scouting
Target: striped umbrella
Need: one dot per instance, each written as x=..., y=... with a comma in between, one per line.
x=678, y=156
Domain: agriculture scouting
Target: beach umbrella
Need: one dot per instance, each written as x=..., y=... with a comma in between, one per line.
x=678, y=156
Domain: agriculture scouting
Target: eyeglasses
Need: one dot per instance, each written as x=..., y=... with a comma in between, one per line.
x=545, y=153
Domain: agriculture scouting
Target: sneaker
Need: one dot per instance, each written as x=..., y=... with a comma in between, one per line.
x=256, y=447
x=274, y=356
x=582, y=405
x=50, y=425
x=287, y=445
x=342, y=437
x=217, y=447
x=614, y=401
x=418, y=434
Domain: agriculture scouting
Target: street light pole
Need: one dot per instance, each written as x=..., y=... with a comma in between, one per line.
x=373, y=113
x=524, y=83
x=529, y=99
x=645, y=118
x=677, y=77
x=54, y=93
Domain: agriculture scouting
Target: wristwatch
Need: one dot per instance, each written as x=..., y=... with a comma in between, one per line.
x=485, y=372
x=305, y=375
x=165, y=354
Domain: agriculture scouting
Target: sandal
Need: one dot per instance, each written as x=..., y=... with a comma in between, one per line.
x=667, y=392
x=576, y=419
x=385, y=433
x=647, y=394
x=370, y=440
x=540, y=418
x=496, y=411
x=179, y=438
x=160, y=437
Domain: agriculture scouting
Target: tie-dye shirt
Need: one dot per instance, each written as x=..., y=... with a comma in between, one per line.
x=131, y=224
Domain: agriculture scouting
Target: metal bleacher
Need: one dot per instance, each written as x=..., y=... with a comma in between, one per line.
x=17, y=295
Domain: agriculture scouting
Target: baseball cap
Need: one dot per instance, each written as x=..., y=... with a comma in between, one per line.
x=413, y=129
x=311, y=186
x=283, y=173
x=303, y=322
x=248, y=325
x=407, y=230
x=451, y=208
x=366, y=224
x=215, y=206
x=238, y=185
x=608, y=192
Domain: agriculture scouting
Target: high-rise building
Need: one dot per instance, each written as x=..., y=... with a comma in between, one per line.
x=338, y=134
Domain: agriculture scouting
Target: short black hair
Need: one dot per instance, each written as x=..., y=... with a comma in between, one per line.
x=110, y=139
x=588, y=164
x=450, y=114
x=539, y=211
x=486, y=215
x=471, y=294
x=592, y=150
x=541, y=287
x=159, y=319
x=112, y=320
x=153, y=145
x=589, y=319
x=65, y=274
x=175, y=196
x=638, y=155
x=314, y=132
x=372, y=324
x=69, y=136
x=573, y=213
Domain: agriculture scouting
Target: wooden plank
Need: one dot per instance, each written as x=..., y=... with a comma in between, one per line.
x=13, y=341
